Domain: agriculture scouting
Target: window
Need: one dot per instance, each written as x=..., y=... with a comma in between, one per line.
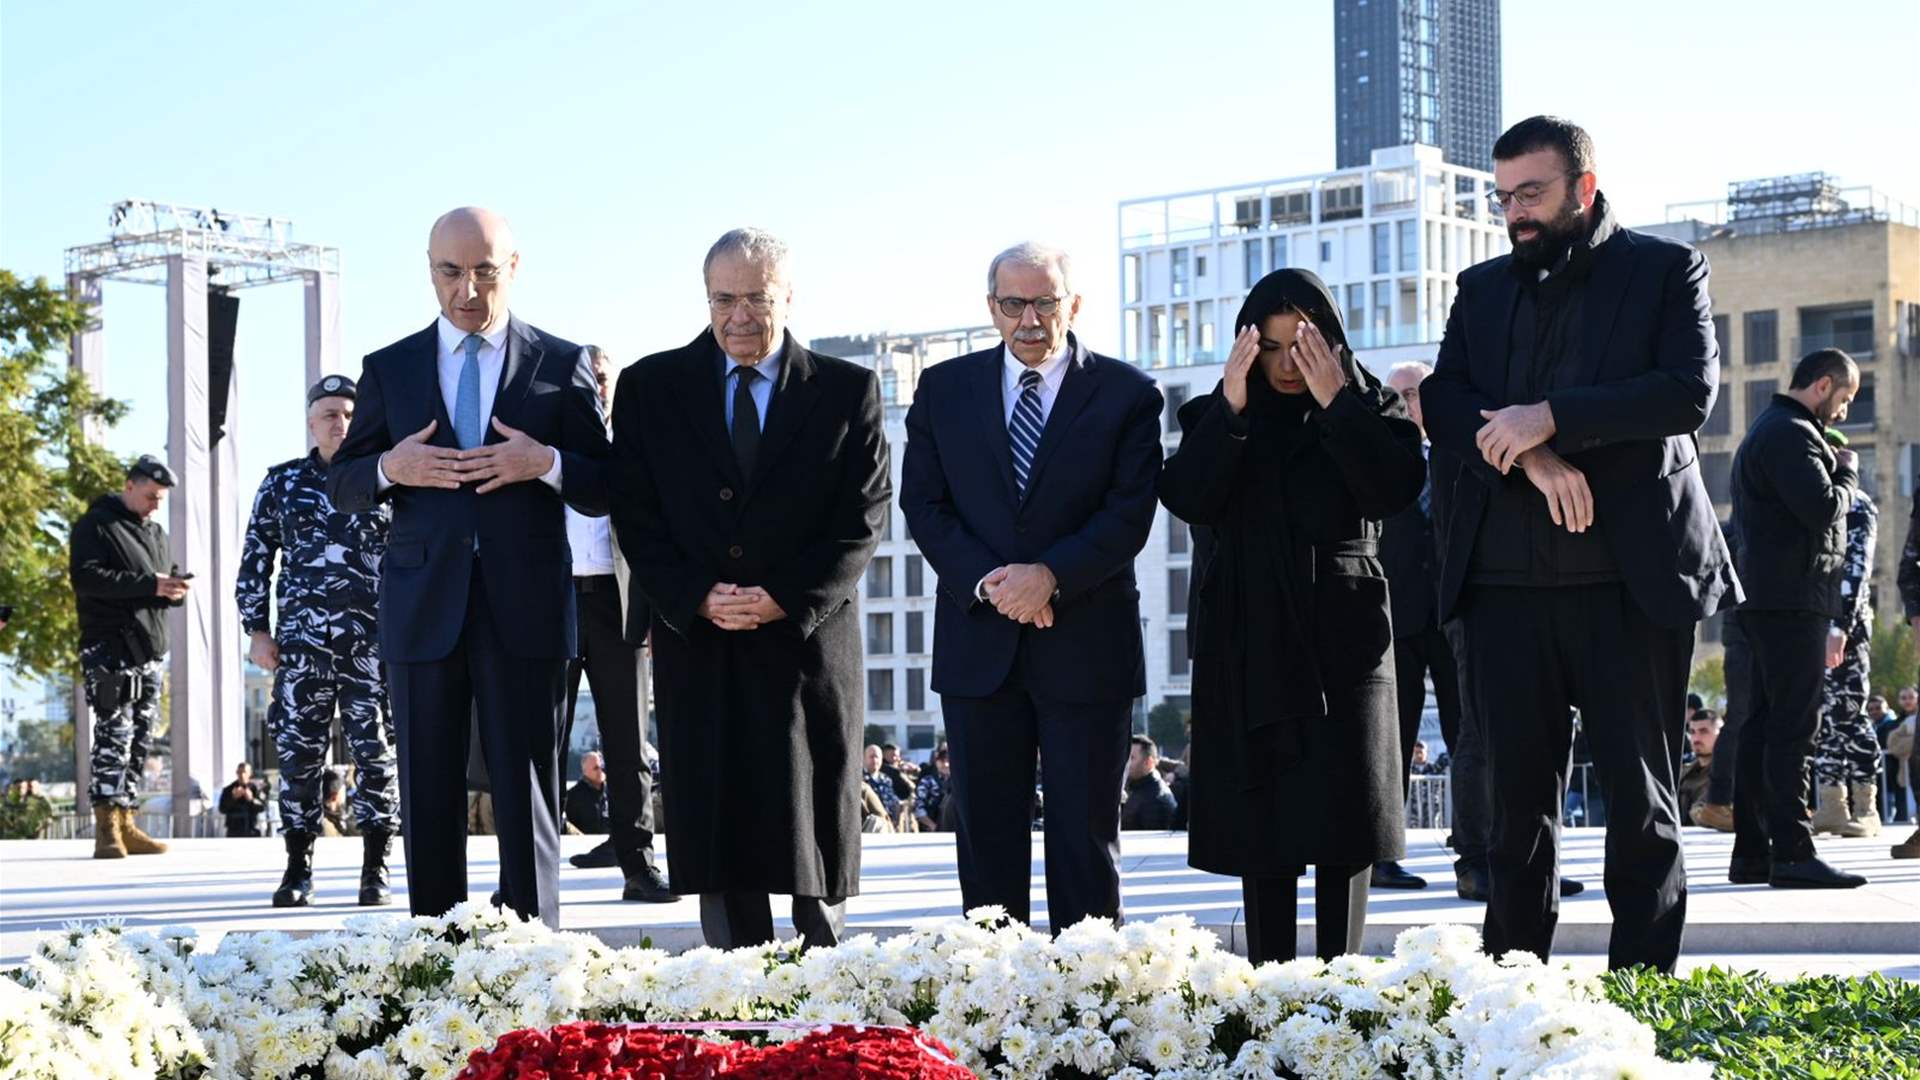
x=1326, y=251
x=1382, y=313
x=879, y=689
x=1761, y=329
x=1759, y=396
x=1182, y=351
x=916, y=689
x=916, y=575
x=1869, y=468
x=1848, y=327
x=1130, y=277
x=1277, y=249
x=1176, y=397
x=1720, y=338
x=1156, y=334
x=1860, y=413
x=1720, y=420
x=1178, y=536
x=916, y=633
x=1178, y=662
x=1382, y=248
x=1717, y=471
x=879, y=634
x=1203, y=325
x=880, y=578
x=1177, y=591
x=920, y=737
x=1255, y=265
x=886, y=520
x=1199, y=266
x=1182, y=272
x=1409, y=236
x=1357, y=307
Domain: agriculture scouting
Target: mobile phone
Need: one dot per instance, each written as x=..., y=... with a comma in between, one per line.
x=6, y=612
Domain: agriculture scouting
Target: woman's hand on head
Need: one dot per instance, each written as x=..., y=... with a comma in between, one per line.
x=1314, y=356
x=1240, y=361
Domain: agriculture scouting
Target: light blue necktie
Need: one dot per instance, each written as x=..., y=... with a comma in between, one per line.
x=466, y=401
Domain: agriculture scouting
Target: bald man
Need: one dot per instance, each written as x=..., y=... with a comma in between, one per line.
x=481, y=429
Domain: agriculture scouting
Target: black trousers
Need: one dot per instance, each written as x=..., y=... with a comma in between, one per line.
x=1737, y=664
x=1271, y=905
x=737, y=920
x=617, y=673
x=1082, y=748
x=1532, y=655
x=1467, y=772
x=513, y=704
x=1770, y=816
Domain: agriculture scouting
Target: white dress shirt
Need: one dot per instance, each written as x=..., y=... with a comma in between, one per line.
x=451, y=359
x=1053, y=372
x=591, y=539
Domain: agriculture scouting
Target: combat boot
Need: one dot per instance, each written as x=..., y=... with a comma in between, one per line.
x=296, y=885
x=107, y=843
x=136, y=841
x=374, y=891
x=1865, y=795
x=1833, y=810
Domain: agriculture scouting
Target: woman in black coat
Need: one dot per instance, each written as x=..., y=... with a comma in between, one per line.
x=1286, y=470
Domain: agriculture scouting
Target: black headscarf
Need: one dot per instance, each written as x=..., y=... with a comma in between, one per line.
x=1304, y=292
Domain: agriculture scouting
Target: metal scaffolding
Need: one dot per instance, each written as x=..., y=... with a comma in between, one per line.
x=190, y=251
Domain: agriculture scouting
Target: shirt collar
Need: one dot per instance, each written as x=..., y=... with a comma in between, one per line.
x=451, y=336
x=1049, y=369
x=770, y=367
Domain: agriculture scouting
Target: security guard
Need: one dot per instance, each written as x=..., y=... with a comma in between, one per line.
x=121, y=593
x=325, y=653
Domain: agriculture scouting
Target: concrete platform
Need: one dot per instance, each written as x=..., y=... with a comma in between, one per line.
x=221, y=886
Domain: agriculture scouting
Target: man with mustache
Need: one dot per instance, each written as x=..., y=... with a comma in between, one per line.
x=1582, y=546
x=752, y=484
x=1029, y=485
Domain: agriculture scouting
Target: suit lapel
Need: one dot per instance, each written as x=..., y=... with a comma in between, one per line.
x=524, y=351
x=1606, y=291
x=426, y=376
x=702, y=403
x=787, y=407
x=990, y=402
x=1076, y=389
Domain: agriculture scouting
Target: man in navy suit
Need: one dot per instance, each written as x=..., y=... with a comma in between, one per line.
x=1029, y=485
x=480, y=429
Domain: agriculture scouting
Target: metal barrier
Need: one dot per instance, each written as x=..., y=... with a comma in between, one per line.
x=1430, y=800
x=72, y=826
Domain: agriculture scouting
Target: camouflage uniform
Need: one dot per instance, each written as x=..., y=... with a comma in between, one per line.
x=329, y=652
x=125, y=701
x=1846, y=750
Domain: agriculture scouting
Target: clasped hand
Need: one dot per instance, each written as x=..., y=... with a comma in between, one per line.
x=1513, y=431
x=417, y=463
x=1023, y=592
x=739, y=607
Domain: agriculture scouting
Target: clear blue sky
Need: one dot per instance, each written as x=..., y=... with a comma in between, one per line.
x=894, y=146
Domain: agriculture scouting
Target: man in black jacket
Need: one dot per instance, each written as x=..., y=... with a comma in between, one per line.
x=124, y=581
x=1582, y=546
x=243, y=802
x=1791, y=492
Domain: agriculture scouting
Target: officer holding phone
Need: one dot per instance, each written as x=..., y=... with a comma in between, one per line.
x=122, y=596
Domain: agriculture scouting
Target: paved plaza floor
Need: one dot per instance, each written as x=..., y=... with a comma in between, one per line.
x=222, y=886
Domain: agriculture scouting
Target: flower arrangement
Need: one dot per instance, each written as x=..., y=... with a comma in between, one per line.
x=393, y=998
x=623, y=1052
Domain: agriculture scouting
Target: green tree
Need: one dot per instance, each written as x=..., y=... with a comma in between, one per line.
x=52, y=470
x=1710, y=682
x=1893, y=658
x=1167, y=727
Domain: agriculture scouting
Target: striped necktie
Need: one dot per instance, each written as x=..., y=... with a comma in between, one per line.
x=1024, y=428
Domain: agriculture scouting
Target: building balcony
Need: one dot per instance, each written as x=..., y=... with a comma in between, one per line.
x=1858, y=344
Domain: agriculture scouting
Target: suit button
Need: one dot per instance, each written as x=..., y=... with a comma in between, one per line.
x=735, y=551
x=726, y=494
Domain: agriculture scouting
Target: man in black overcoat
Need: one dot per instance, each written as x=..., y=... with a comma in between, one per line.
x=1583, y=547
x=752, y=483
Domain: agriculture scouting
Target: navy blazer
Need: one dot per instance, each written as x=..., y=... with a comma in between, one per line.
x=547, y=390
x=1649, y=369
x=1086, y=513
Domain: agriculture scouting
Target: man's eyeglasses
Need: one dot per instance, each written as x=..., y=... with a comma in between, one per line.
x=485, y=273
x=722, y=303
x=1015, y=306
x=1527, y=195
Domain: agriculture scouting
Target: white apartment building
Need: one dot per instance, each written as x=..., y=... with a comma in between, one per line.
x=1388, y=238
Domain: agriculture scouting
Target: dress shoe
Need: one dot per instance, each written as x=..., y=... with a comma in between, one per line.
x=1471, y=883
x=648, y=887
x=1749, y=871
x=1812, y=873
x=599, y=857
x=1391, y=875
x=1715, y=816
x=1908, y=848
x=1570, y=887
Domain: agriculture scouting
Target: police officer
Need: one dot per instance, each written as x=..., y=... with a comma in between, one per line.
x=121, y=593
x=1846, y=754
x=325, y=653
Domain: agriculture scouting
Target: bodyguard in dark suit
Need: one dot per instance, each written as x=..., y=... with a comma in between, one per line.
x=1582, y=547
x=1791, y=493
x=1029, y=486
x=476, y=596
x=752, y=482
